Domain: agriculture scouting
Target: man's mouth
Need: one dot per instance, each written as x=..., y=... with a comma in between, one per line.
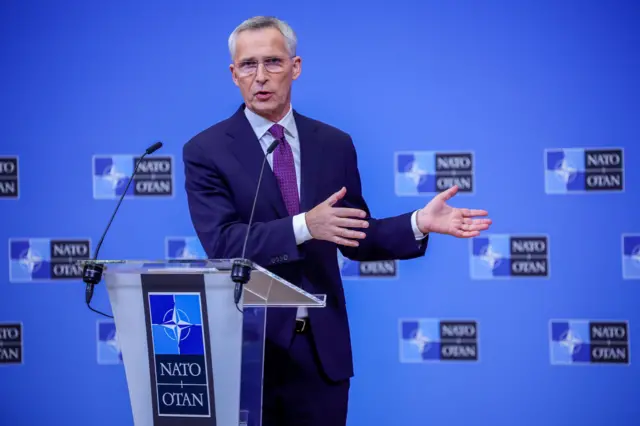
x=263, y=95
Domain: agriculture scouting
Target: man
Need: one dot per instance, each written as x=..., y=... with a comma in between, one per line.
x=310, y=204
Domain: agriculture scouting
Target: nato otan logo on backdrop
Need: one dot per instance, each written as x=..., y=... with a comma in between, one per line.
x=584, y=342
x=47, y=259
x=352, y=269
x=503, y=256
x=108, y=350
x=111, y=173
x=431, y=172
x=631, y=256
x=179, y=352
x=183, y=248
x=11, y=343
x=582, y=170
x=9, y=180
x=437, y=340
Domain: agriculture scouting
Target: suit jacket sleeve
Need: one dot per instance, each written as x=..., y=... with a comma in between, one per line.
x=386, y=239
x=219, y=226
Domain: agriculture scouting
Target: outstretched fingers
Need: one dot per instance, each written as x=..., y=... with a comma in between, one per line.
x=474, y=212
x=467, y=234
x=468, y=221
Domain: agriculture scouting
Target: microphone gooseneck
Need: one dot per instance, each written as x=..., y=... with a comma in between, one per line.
x=241, y=268
x=92, y=272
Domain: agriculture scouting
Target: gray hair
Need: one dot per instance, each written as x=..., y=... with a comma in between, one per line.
x=259, y=22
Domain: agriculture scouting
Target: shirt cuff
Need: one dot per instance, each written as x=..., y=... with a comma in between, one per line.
x=414, y=224
x=300, y=229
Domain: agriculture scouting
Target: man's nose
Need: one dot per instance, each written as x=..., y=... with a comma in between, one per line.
x=261, y=74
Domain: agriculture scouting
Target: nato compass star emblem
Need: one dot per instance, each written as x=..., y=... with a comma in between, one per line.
x=112, y=341
x=420, y=340
x=571, y=341
x=113, y=175
x=176, y=324
x=635, y=255
x=186, y=253
x=415, y=173
x=30, y=260
x=493, y=258
x=565, y=171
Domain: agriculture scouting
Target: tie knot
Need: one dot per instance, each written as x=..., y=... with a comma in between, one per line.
x=277, y=131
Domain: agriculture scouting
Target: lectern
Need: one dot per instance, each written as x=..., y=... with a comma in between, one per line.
x=191, y=356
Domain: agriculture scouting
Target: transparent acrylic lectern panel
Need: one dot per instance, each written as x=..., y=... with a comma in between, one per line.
x=264, y=288
x=237, y=339
x=252, y=369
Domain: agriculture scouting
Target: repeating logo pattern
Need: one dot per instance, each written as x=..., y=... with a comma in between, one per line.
x=46, y=259
x=436, y=340
x=431, y=172
x=580, y=170
x=11, y=343
x=179, y=354
x=108, y=348
x=178, y=347
x=578, y=341
x=9, y=178
x=111, y=174
x=500, y=256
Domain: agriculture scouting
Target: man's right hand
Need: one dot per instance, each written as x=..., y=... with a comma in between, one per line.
x=329, y=223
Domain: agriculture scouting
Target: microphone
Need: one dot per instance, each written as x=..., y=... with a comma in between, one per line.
x=153, y=148
x=92, y=272
x=241, y=269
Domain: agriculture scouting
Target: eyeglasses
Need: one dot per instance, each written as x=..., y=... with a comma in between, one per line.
x=271, y=65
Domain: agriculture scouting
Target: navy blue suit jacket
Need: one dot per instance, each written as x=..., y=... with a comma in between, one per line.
x=222, y=164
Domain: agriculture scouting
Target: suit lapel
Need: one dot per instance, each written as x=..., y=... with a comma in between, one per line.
x=310, y=162
x=246, y=147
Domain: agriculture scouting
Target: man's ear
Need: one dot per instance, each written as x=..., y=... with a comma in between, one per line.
x=297, y=67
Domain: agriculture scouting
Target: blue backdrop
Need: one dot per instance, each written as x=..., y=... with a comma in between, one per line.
x=521, y=91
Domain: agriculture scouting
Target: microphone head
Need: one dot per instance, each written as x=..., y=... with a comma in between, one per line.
x=92, y=273
x=241, y=271
x=273, y=146
x=153, y=148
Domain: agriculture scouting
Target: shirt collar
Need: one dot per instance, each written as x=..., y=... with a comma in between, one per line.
x=261, y=125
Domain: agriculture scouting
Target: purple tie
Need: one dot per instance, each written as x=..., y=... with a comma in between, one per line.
x=285, y=171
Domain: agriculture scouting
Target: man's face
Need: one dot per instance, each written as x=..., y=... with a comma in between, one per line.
x=264, y=72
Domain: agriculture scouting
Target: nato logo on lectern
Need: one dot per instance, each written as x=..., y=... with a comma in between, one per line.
x=582, y=170
x=47, y=259
x=631, y=256
x=9, y=178
x=504, y=256
x=431, y=172
x=585, y=342
x=11, y=343
x=183, y=248
x=111, y=174
x=108, y=348
x=182, y=379
x=353, y=270
x=438, y=340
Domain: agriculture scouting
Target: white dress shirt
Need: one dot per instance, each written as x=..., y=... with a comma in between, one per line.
x=261, y=128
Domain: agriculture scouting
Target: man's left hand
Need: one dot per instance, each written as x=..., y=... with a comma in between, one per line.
x=441, y=218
